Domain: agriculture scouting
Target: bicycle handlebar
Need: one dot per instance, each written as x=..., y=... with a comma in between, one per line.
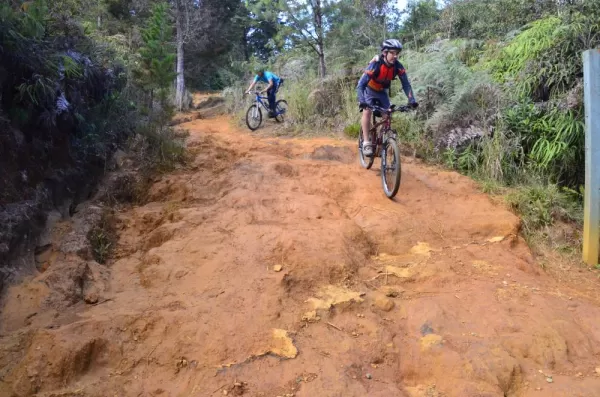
x=392, y=109
x=253, y=92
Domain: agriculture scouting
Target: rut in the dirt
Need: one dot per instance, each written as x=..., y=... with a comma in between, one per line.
x=277, y=267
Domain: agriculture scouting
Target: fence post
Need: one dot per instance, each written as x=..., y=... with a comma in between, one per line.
x=591, y=222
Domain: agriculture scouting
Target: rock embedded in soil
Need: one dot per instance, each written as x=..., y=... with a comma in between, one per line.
x=391, y=292
x=384, y=303
x=311, y=317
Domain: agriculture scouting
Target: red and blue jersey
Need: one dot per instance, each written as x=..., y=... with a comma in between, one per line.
x=378, y=77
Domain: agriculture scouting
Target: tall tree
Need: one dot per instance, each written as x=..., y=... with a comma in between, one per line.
x=155, y=72
x=304, y=23
x=259, y=33
x=214, y=46
x=182, y=14
x=422, y=14
x=186, y=14
x=358, y=24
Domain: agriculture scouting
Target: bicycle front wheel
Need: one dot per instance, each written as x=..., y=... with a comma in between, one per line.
x=390, y=168
x=253, y=117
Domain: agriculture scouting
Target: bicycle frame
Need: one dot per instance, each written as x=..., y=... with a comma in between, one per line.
x=386, y=122
x=261, y=100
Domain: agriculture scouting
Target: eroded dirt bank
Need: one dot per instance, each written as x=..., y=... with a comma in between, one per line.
x=277, y=267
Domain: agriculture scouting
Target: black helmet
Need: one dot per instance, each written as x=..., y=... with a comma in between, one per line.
x=259, y=70
x=391, y=44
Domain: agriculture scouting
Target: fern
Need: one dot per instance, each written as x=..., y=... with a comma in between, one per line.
x=544, y=59
x=40, y=91
x=468, y=159
x=459, y=95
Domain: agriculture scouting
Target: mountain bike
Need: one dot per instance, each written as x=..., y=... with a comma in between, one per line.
x=383, y=138
x=254, y=114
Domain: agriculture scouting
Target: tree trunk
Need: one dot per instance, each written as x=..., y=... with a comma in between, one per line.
x=451, y=21
x=180, y=82
x=245, y=44
x=318, y=20
x=322, y=67
x=99, y=17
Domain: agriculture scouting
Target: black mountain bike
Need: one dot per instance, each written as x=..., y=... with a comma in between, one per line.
x=383, y=139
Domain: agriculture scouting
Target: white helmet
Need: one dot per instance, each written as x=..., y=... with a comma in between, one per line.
x=391, y=44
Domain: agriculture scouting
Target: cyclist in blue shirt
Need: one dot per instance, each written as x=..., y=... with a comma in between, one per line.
x=273, y=82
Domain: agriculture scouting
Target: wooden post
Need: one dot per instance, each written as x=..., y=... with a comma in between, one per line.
x=591, y=90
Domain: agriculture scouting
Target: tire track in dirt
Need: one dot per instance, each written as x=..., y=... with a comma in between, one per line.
x=432, y=294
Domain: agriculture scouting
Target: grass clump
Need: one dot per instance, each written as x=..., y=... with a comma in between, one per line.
x=540, y=205
x=103, y=237
x=352, y=130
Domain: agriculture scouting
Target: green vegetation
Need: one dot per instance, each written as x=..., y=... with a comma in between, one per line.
x=72, y=92
x=103, y=237
x=78, y=80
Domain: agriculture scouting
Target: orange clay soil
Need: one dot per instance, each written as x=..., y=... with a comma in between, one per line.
x=277, y=267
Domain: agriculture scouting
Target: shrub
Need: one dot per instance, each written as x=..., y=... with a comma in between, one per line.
x=541, y=204
x=352, y=130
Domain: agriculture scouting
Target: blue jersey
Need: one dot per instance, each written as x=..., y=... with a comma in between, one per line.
x=266, y=77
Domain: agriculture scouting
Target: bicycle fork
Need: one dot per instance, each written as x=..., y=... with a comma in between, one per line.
x=255, y=112
x=384, y=146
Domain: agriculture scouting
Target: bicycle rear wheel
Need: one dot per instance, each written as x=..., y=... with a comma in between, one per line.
x=365, y=161
x=390, y=167
x=281, y=107
x=253, y=117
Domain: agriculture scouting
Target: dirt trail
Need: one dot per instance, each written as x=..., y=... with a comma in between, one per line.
x=432, y=294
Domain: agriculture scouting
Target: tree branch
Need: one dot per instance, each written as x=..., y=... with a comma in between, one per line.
x=298, y=25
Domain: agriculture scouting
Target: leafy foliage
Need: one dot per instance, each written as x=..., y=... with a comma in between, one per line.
x=452, y=94
x=65, y=95
x=489, y=19
x=553, y=139
x=155, y=72
x=422, y=15
x=544, y=60
x=516, y=62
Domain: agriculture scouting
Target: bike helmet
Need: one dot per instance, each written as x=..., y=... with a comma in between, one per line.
x=259, y=70
x=391, y=44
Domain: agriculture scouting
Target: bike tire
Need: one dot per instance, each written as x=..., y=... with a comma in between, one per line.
x=281, y=105
x=249, y=117
x=390, y=183
x=365, y=161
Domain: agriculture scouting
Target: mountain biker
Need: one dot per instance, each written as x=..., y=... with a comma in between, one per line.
x=274, y=82
x=376, y=79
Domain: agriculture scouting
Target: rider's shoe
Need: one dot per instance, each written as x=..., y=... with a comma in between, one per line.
x=271, y=114
x=367, y=149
